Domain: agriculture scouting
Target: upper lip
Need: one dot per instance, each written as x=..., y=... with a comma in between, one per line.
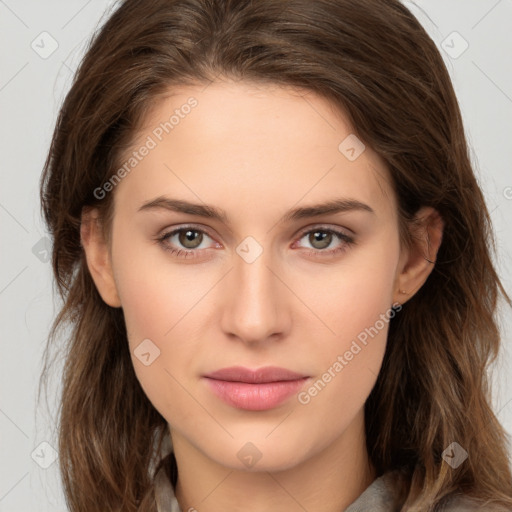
x=260, y=375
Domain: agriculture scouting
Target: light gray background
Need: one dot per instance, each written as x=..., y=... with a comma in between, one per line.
x=31, y=90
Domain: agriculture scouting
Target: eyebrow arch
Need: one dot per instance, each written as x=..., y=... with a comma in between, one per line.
x=204, y=210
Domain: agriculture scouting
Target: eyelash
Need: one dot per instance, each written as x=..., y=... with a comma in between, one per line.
x=318, y=253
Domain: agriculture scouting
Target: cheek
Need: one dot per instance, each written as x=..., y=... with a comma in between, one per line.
x=353, y=297
x=156, y=294
x=356, y=306
x=152, y=313
x=162, y=304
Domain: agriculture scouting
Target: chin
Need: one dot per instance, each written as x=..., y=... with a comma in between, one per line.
x=255, y=454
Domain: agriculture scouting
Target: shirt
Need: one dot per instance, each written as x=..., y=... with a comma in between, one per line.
x=379, y=496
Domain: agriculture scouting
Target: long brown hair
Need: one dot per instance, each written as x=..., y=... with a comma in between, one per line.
x=373, y=60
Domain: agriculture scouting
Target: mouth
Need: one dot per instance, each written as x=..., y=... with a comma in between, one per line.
x=255, y=390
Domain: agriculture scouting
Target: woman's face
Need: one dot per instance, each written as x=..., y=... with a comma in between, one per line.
x=256, y=277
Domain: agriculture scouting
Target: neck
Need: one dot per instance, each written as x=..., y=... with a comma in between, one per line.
x=331, y=479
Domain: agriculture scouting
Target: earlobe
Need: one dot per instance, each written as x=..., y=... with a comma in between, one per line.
x=419, y=259
x=98, y=257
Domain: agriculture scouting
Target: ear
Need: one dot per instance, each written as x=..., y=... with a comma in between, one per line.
x=417, y=261
x=97, y=254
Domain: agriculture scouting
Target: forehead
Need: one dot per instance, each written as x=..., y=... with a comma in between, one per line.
x=252, y=145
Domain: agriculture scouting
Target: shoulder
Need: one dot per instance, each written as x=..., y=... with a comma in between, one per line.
x=387, y=494
x=465, y=503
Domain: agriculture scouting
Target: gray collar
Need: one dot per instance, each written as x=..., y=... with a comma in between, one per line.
x=380, y=496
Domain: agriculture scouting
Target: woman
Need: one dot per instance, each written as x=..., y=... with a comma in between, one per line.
x=275, y=261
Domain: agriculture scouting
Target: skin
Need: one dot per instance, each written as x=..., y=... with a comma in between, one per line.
x=257, y=152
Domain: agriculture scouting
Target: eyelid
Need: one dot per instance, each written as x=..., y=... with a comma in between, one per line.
x=345, y=240
x=196, y=227
x=303, y=231
x=325, y=227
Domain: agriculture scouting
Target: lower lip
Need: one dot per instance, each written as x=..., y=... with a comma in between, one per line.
x=255, y=397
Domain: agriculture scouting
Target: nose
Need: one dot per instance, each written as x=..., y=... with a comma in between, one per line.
x=255, y=309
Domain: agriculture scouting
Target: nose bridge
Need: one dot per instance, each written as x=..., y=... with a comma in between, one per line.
x=255, y=308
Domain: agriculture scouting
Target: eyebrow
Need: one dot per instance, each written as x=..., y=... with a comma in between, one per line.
x=203, y=210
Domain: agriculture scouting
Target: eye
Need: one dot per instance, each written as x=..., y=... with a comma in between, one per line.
x=321, y=238
x=184, y=242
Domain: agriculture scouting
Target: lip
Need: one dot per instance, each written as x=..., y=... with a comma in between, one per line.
x=259, y=376
x=255, y=390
